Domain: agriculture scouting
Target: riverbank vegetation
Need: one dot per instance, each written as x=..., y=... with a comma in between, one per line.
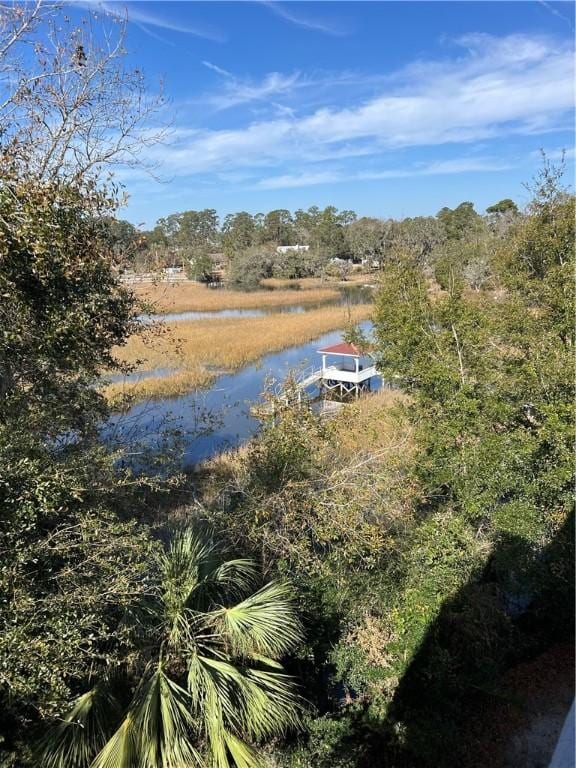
x=200, y=350
x=343, y=593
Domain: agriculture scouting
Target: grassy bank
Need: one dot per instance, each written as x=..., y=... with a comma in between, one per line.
x=183, y=297
x=201, y=349
x=313, y=283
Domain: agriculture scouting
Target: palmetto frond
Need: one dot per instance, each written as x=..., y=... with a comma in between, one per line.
x=121, y=751
x=228, y=750
x=243, y=756
x=82, y=733
x=180, y=567
x=157, y=731
x=254, y=703
x=264, y=624
x=194, y=573
x=234, y=577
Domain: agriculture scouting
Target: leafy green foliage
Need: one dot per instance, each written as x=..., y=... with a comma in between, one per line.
x=459, y=221
x=478, y=577
x=330, y=743
x=62, y=309
x=63, y=599
x=356, y=336
x=249, y=267
x=190, y=229
x=200, y=267
x=419, y=582
x=490, y=379
x=296, y=264
x=239, y=232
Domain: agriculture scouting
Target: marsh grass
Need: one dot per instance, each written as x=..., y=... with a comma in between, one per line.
x=367, y=448
x=189, y=296
x=200, y=350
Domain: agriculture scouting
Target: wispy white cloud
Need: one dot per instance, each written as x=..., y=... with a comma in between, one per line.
x=282, y=109
x=556, y=12
x=305, y=179
x=500, y=87
x=217, y=69
x=306, y=91
x=300, y=19
x=134, y=13
x=238, y=90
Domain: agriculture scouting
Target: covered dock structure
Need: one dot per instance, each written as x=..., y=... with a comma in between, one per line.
x=346, y=370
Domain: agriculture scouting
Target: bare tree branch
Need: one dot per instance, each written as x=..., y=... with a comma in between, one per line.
x=70, y=107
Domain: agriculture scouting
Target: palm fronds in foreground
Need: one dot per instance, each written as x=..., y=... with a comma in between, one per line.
x=210, y=685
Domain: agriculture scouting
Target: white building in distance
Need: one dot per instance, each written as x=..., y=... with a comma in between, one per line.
x=292, y=248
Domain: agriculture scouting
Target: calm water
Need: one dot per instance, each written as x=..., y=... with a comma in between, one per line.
x=226, y=406
x=193, y=314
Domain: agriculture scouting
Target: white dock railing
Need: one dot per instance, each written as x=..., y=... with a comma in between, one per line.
x=309, y=376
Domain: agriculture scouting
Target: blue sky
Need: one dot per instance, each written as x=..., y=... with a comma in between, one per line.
x=386, y=108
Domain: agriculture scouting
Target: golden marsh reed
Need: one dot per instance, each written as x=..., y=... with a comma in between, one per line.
x=169, y=386
x=201, y=349
x=183, y=297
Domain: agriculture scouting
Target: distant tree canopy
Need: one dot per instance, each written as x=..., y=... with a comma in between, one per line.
x=200, y=267
x=503, y=206
x=190, y=229
x=454, y=244
x=322, y=230
x=248, y=267
x=239, y=232
x=459, y=221
x=277, y=227
x=368, y=238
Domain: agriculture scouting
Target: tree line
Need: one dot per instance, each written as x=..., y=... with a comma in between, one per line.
x=334, y=239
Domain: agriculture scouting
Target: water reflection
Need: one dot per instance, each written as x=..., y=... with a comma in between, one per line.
x=193, y=314
x=348, y=295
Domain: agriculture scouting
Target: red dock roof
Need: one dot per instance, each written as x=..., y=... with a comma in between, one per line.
x=350, y=350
